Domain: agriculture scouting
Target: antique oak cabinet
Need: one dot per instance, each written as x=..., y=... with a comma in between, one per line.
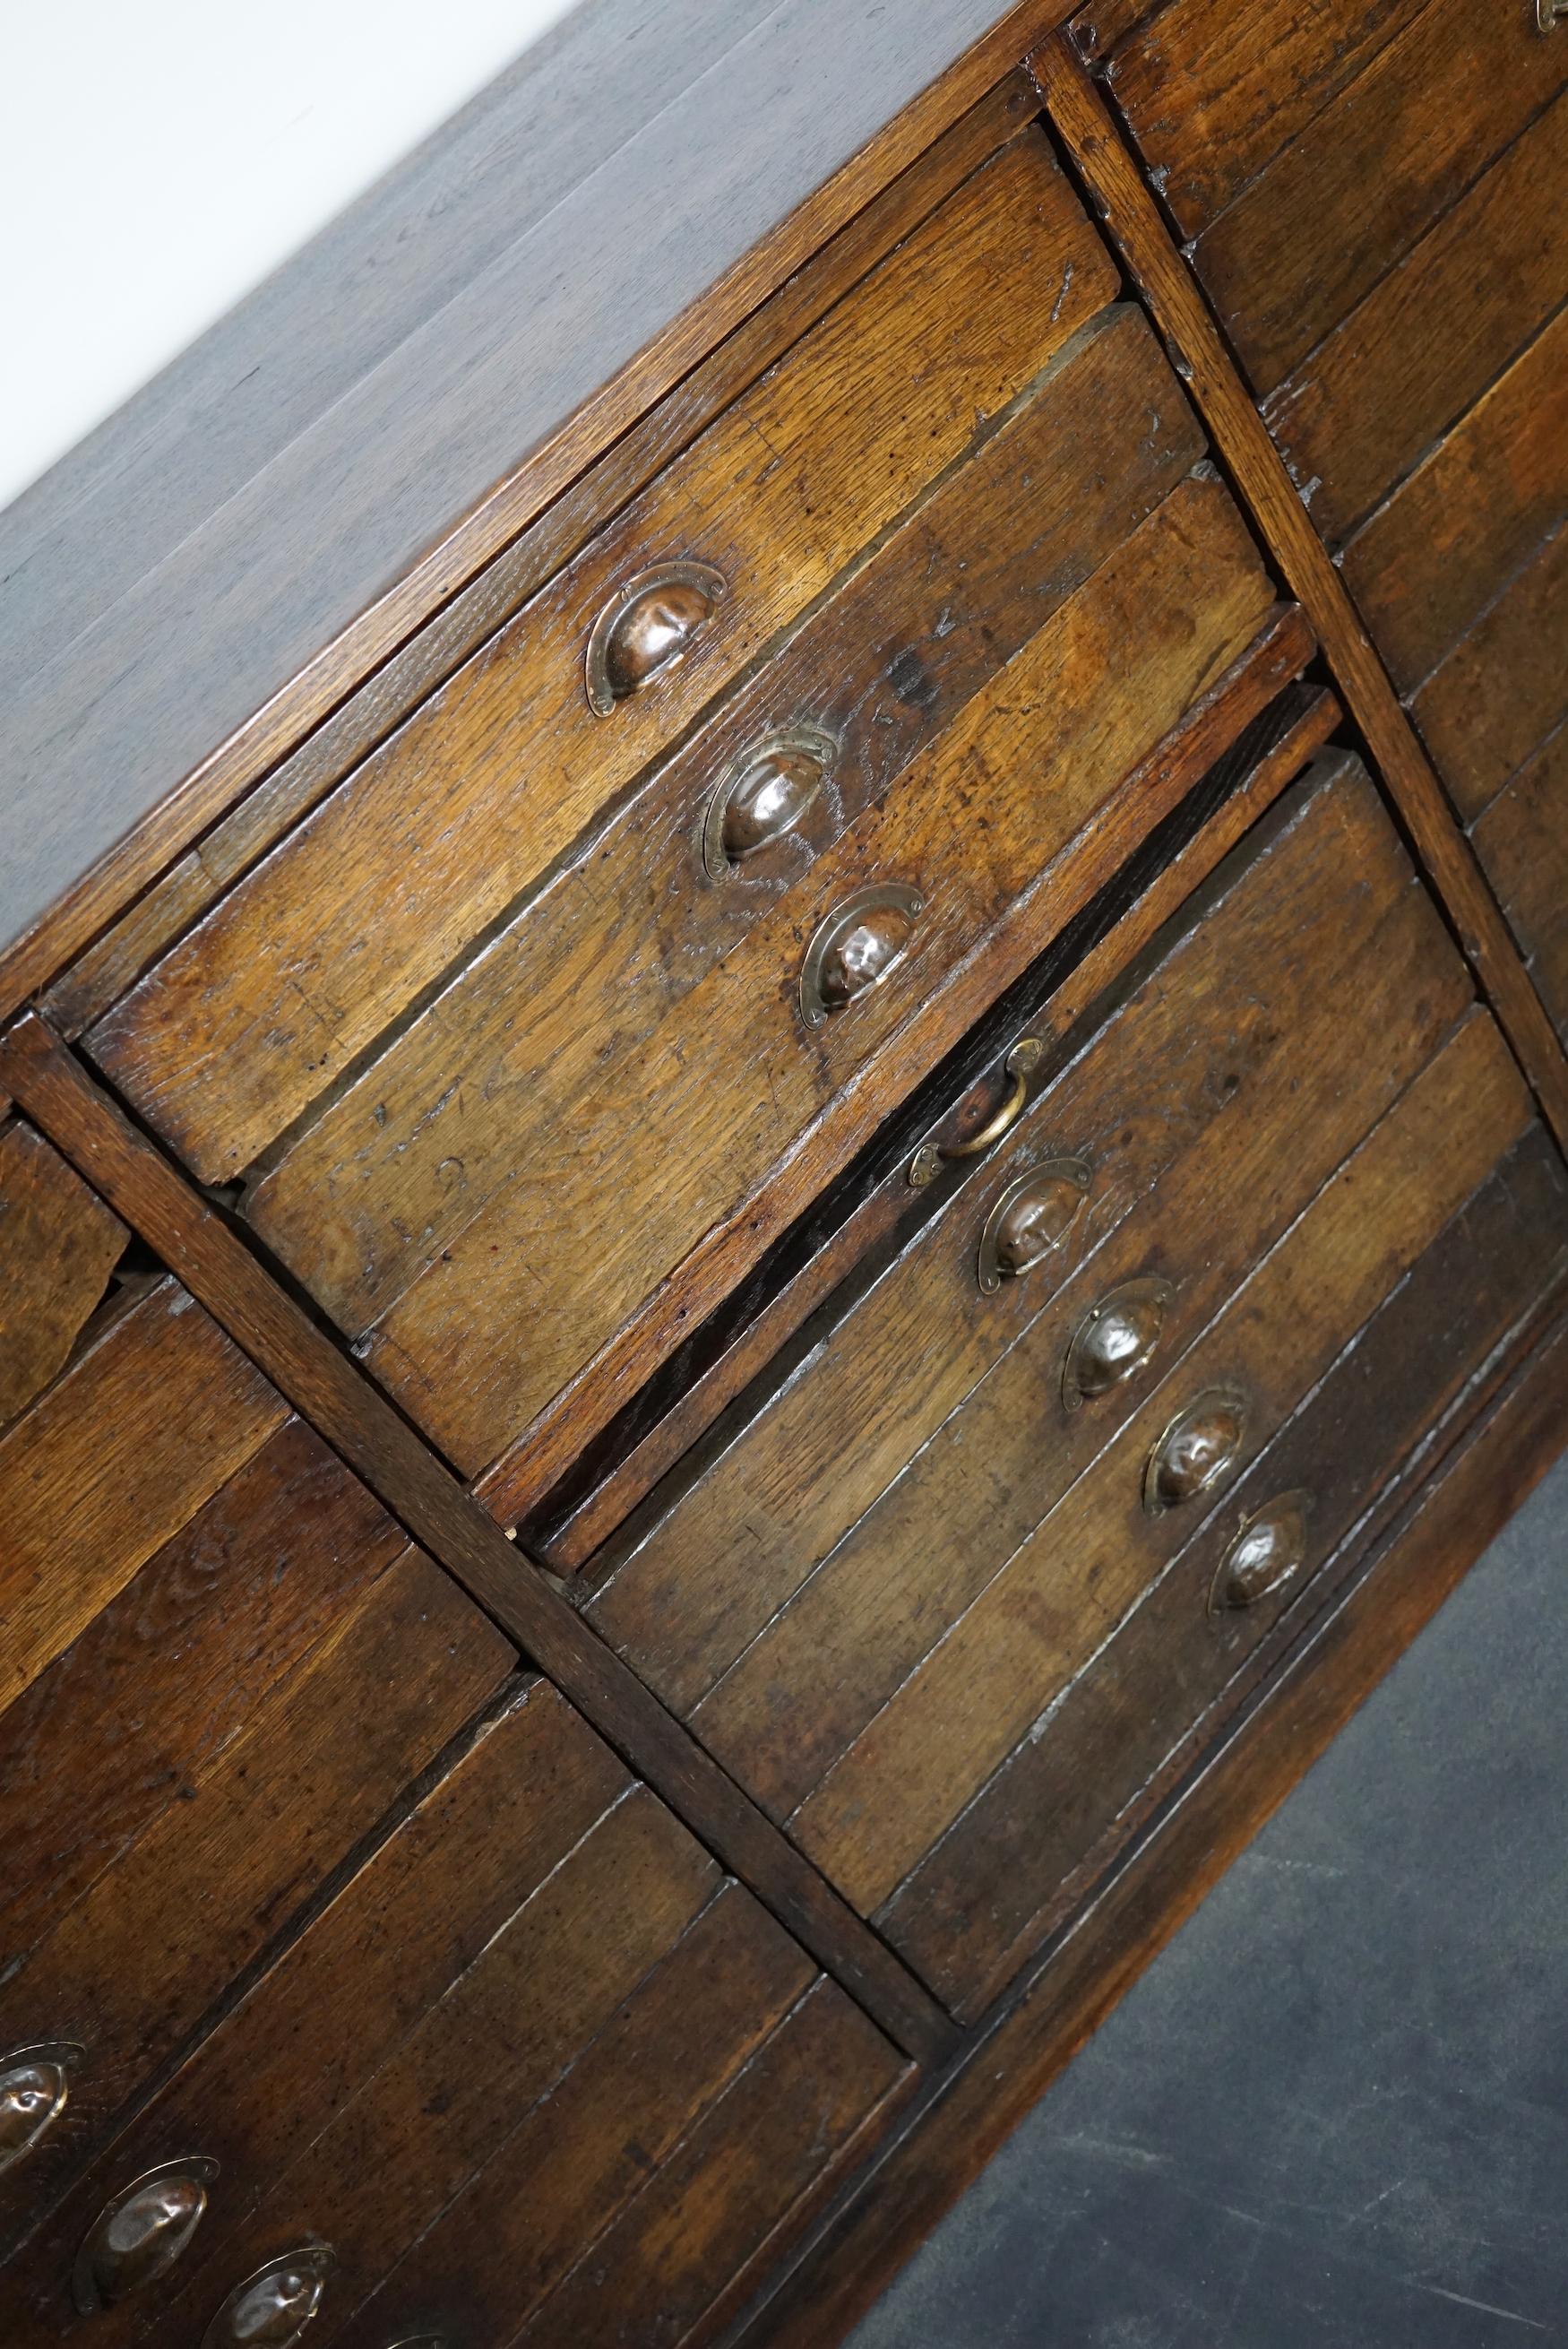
x=772, y=1198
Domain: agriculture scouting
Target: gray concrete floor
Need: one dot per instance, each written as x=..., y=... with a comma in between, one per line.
x=1334, y=2114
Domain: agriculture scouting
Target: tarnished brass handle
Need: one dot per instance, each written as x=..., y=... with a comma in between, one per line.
x=1115, y=1340
x=1270, y=1548
x=856, y=949
x=1019, y=1065
x=1199, y=1446
x=139, y=2236
x=1031, y=1219
x=1550, y=13
x=271, y=2308
x=34, y=2087
x=764, y=797
x=647, y=628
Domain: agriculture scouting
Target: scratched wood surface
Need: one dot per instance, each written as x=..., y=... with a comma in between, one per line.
x=366, y=418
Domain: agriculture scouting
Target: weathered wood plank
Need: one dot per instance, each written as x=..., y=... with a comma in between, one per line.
x=58, y=1244
x=1522, y=841
x=335, y=932
x=502, y=1321
x=929, y=1750
x=1426, y=565
x=997, y=1883
x=1211, y=90
x=1356, y=189
x=1504, y=687
x=1365, y=407
x=145, y=1426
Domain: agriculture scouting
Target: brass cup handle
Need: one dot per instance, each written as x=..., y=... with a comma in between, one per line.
x=1020, y=1064
x=859, y=944
x=1199, y=1447
x=1031, y=1219
x=1268, y=1552
x=143, y=2232
x=1550, y=13
x=34, y=2088
x=647, y=628
x=1115, y=1340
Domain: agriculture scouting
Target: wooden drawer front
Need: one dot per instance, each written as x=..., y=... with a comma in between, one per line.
x=862, y=1641
x=221, y=1664
x=1304, y=160
x=1190, y=1126
x=599, y=1214
x=596, y=1126
x=333, y=936
x=58, y=1246
x=1522, y=841
x=489, y=2074
x=1116, y=1740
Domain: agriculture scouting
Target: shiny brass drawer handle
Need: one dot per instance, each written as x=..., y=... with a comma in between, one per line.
x=139, y=2235
x=856, y=949
x=1269, y=1550
x=271, y=2308
x=1031, y=1219
x=1199, y=1447
x=1115, y=1340
x=647, y=628
x=1019, y=1065
x=1549, y=14
x=34, y=2088
x=765, y=798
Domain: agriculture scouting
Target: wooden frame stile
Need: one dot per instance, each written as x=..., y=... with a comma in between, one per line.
x=1078, y=115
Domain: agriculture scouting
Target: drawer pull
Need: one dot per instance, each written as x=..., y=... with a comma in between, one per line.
x=137, y=2237
x=35, y=2086
x=1550, y=13
x=1269, y=1549
x=647, y=628
x=1032, y=1217
x=271, y=2308
x=856, y=948
x=1115, y=1340
x=765, y=798
x=1196, y=1450
x=932, y=1157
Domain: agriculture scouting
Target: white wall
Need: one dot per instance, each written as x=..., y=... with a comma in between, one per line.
x=159, y=157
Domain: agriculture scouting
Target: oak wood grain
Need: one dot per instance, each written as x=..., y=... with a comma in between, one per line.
x=1522, y=840
x=195, y=746
x=149, y=926
x=1504, y=687
x=1155, y=1097
x=1364, y=410
x=146, y=1425
x=1213, y=90
x=1425, y=566
x=1135, y=226
x=129, y=1971
x=367, y=1198
x=1358, y=185
x=58, y=1244
x=1003, y=1875
x=156, y=1686
x=951, y=2131
x=706, y=1132
x=305, y=1364
x=927, y=1752
x=394, y=874
x=569, y=1537
x=341, y=1999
